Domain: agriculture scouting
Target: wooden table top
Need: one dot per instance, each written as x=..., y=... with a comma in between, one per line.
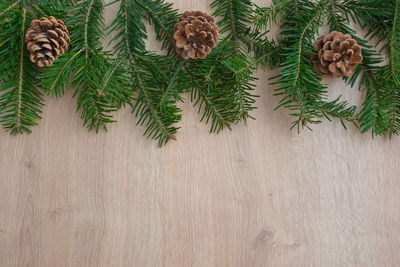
x=260, y=195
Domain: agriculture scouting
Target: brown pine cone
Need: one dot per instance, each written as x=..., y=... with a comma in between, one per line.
x=338, y=54
x=47, y=39
x=195, y=35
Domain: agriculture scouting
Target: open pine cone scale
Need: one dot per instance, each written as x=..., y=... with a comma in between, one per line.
x=338, y=54
x=195, y=35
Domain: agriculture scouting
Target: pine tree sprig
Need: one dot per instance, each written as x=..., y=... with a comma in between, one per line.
x=6, y=7
x=20, y=100
x=264, y=17
x=129, y=28
x=163, y=16
x=155, y=105
x=380, y=112
x=157, y=80
x=298, y=83
x=222, y=86
x=100, y=83
x=235, y=16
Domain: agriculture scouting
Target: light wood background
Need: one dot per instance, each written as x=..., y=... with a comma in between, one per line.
x=257, y=196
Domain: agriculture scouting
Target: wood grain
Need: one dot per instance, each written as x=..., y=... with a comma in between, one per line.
x=256, y=196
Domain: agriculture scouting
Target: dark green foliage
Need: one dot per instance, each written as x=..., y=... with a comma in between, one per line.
x=100, y=84
x=20, y=100
x=300, y=86
x=266, y=53
x=220, y=85
x=264, y=17
x=158, y=84
x=55, y=8
x=235, y=16
x=156, y=81
x=381, y=109
x=129, y=28
x=161, y=14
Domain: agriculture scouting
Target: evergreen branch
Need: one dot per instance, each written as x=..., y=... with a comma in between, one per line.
x=373, y=116
x=55, y=81
x=223, y=82
x=86, y=24
x=265, y=52
x=86, y=47
x=236, y=15
x=20, y=101
x=6, y=8
x=164, y=17
x=370, y=14
x=155, y=105
x=242, y=70
x=339, y=109
x=20, y=74
x=170, y=90
x=130, y=29
x=100, y=84
x=101, y=88
x=222, y=86
x=55, y=8
x=394, y=45
x=299, y=84
x=156, y=82
x=381, y=109
x=211, y=101
x=264, y=17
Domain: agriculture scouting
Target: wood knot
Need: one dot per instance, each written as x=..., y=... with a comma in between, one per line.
x=264, y=237
x=28, y=163
x=55, y=213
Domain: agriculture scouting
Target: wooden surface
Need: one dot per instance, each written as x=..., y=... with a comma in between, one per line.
x=260, y=195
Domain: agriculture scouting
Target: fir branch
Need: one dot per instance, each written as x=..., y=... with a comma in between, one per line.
x=55, y=8
x=394, y=45
x=265, y=52
x=156, y=79
x=6, y=7
x=264, y=17
x=155, y=105
x=381, y=109
x=373, y=116
x=56, y=81
x=105, y=90
x=236, y=15
x=164, y=17
x=299, y=83
x=20, y=101
x=222, y=86
x=100, y=84
x=339, y=109
x=223, y=82
x=370, y=14
x=130, y=29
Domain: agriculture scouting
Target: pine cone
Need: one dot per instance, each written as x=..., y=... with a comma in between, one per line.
x=47, y=39
x=338, y=54
x=195, y=35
